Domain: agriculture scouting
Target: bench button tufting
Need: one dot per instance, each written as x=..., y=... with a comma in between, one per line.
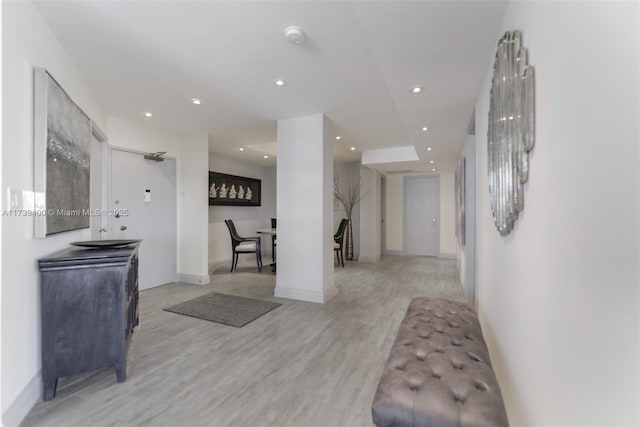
x=459, y=399
x=474, y=356
x=421, y=354
x=400, y=365
x=423, y=334
x=481, y=386
x=415, y=383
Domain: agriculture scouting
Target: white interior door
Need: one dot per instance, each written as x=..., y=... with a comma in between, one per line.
x=383, y=214
x=98, y=188
x=95, y=190
x=146, y=191
x=422, y=223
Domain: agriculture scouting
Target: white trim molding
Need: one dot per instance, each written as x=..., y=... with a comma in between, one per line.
x=29, y=396
x=394, y=252
x=365, y=258
x=215, y=265
x=447, y=256
x=193, y=279
x=304, y=295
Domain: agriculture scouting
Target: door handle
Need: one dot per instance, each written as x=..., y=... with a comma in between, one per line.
x=434, y=220
x=123, y=227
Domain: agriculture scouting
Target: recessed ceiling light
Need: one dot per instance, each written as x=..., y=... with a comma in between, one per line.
x=433, y=170
x=266, y=157
x=241, y=149
x=338, y=138
x=424, y=129
x=415, y=89
x=196, y=101
x=431, y=161
x=148, y=114
x=353, y=148
x=428, y=148
x=279, y=82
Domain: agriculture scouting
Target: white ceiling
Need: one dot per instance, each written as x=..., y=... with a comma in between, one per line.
x=356, y=65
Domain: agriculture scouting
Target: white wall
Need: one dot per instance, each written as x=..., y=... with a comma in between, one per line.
x=190, y=152
x=558, y=297
x=28, y=43
x=193, y=188
x=447, y=215
x=394, y=215
x=370, y=236
x=2, y=206
x=247, y=219
x=394, y=210
x=466, y=254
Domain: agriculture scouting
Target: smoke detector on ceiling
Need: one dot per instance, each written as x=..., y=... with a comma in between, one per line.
x=294, y=34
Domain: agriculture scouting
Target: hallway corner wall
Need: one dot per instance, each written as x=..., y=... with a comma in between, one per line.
x=558, y=297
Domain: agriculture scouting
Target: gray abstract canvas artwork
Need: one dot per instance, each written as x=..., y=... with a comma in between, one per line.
x=67, y=162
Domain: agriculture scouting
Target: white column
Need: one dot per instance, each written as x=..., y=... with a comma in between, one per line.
x=305, y=209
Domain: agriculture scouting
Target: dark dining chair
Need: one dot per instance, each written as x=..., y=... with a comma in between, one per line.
x=273, y=241
x=243, y=245
x=338, y=239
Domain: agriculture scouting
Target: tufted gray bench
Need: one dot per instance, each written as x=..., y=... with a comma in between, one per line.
x=438, y=372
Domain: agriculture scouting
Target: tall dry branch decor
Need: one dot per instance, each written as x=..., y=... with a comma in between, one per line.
x=349, y=195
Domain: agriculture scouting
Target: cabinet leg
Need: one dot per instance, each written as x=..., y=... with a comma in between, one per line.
x=49, y=386
x=121, y=371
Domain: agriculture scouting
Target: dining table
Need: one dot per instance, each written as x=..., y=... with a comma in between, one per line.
x=269, y=232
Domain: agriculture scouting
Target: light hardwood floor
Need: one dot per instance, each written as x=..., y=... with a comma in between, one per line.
x=302, y=364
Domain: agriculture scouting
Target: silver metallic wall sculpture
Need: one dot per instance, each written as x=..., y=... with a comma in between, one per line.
x=511, y=130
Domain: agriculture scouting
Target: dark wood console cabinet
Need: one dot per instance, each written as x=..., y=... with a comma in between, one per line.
x=89, y=309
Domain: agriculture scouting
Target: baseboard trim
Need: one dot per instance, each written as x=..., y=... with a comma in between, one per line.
x=366, y=258
x=447, y=256
x=304, y=295
x=394, y=253
x=18, y=410
x=214, y=265
x=330, y=293
x=242, y=263
x=193, y=279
